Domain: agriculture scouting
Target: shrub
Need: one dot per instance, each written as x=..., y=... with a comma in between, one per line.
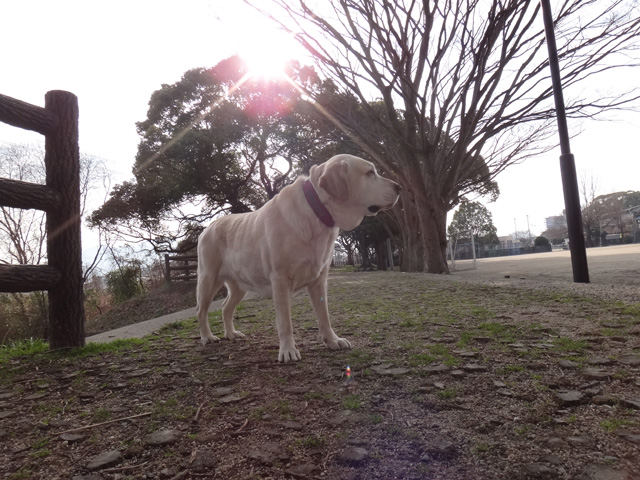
x=124, y=283
x=541, y=241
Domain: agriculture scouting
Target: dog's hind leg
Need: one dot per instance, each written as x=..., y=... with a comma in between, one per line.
x=234, y=296
x=208, y=286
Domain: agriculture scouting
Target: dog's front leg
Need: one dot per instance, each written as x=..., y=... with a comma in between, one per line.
x=318, y=295
x=282, y=302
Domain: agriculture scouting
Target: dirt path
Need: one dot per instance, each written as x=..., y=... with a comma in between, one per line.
x=451, y=379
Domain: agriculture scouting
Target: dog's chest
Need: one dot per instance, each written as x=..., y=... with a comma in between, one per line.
x=311, y=264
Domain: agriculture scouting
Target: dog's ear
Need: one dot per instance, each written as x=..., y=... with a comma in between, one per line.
x=334, y=180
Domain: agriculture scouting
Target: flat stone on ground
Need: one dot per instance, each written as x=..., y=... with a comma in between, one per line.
x=105, y=460
x=598, y=361
x=353, y=455
x=602, y=472
x=380, y=370
x=579, y=440
x=568, y=364
x=595, y=374
x=540, y=470
x=202, y=462
x=162, y=437
x=72, y=437
x=630, y=403
x=632, y=360
x=569, y=397
x=474, y=367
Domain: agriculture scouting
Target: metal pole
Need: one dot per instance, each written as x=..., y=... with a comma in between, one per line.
x=567, y=162
x=473, y=249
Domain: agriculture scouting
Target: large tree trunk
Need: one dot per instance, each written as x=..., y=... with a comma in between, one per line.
x=413, y=258
x=432, y=220
x=381, y=254
x=433, y=223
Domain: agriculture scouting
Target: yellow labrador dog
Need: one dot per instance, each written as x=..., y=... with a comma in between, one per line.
x=287, y=245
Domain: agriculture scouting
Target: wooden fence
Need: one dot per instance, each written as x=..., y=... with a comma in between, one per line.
x=60, y=199
x=186, y=268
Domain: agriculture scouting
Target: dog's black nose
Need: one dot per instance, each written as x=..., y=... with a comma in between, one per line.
x=398, y=188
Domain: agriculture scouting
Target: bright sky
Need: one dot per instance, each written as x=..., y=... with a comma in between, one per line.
x=114, y=55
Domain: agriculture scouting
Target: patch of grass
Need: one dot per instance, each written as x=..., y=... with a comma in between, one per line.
x=497, y=330
x=167, y=409
x=174, y=327
x=439, y=349
x=421, y=359
x=283, y=408
x=44, y=453
x=480, y=448
x=91, y=349
x=101, y=415
x=569, y=344
x=481, y=313
x=632, y=310
x=611, y=332
x=393, y=429
x=51, y=410
x=40, y=443
x=376, y=418
x=317, y=396
x=24, y=472
x=511, y=369
x=312, y=441
x=465, y=339
x=360, y=356
x=447, y=394
x=19, y=348
x=352, y=402
x=612, y=425
x=622, y=374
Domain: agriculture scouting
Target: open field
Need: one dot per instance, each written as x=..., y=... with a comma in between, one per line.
x=451, y=379
x=615, y=265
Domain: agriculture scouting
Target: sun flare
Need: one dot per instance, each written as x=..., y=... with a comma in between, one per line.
x=267, y=52
x=265, y=63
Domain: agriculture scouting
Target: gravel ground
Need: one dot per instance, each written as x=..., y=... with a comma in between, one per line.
x=452, y=377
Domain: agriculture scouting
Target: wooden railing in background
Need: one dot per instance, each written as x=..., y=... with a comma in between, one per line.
x=187, y=267
x=60, y=199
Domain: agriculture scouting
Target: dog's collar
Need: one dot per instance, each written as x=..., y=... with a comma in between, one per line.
x=316, y=205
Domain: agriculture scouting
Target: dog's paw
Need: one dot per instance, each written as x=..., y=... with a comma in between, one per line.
x=289, y=354
x=209, y=339
x=233, y=335
x=338, y=343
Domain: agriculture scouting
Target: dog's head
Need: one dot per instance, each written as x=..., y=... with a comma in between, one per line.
x=354, y=189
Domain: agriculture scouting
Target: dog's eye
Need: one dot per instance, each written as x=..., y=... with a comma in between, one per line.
x=371, y=173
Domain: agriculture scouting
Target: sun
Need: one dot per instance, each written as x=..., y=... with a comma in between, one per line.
x=265, y=62
x=267, y=51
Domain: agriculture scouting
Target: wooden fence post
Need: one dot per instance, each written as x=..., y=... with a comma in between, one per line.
x=64, y=249
x=167, y=269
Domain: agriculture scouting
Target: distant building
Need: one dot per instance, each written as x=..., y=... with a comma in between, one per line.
x=508, y=242
x=557, y=221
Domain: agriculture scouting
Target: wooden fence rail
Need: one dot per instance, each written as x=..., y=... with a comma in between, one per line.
x=60, y=199
x=187, y=267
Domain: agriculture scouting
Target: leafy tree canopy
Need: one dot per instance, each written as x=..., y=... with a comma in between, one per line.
x=473, y=218
x=216, y=141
